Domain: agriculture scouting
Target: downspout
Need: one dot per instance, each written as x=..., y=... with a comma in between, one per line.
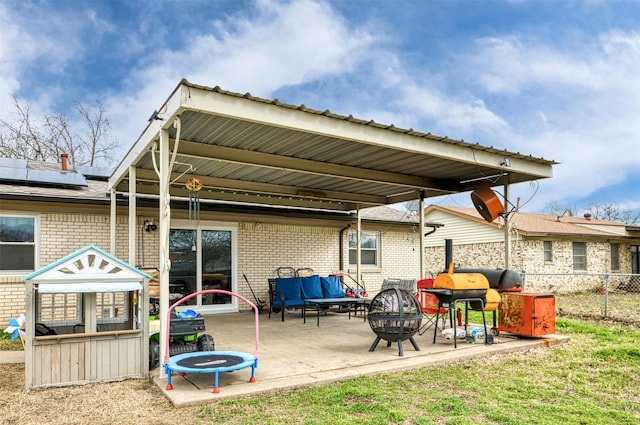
x=341, y=246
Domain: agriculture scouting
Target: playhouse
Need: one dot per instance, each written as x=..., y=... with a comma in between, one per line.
x=86, y=321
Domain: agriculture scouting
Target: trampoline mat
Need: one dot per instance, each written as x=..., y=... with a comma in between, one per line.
x=210, y=361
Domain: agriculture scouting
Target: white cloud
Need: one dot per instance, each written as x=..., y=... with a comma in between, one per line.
x=282, y=45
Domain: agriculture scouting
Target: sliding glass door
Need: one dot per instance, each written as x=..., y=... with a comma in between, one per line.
x=203, y=258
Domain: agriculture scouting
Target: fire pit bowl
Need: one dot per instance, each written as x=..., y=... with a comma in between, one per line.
x=395, y=315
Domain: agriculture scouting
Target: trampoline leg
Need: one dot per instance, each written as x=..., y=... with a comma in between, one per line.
x=252, y=379
x=169, y=387
x=216, y=390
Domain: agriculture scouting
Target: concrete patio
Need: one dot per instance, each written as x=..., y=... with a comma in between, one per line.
x=293, y=354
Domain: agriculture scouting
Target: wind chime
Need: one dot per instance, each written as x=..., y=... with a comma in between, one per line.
x=194, y=185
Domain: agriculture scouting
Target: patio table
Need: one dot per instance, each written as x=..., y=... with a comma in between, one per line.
x=352, y=304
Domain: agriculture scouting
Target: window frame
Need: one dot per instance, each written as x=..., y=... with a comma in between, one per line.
x=615, y=256
x=579, y=259
x=547, y=251
x=66, y=312
x=34, y=244
x=377, y=250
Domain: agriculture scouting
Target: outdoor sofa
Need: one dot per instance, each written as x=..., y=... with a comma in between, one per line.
x=293, y=292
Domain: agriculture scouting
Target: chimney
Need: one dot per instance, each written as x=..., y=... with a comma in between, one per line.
x=63, y=158
x=587, y=216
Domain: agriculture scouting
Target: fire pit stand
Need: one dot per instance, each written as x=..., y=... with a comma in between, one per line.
x=395, y=315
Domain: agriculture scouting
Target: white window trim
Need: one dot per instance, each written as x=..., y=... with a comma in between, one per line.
x=376, y=266
x=36, y=242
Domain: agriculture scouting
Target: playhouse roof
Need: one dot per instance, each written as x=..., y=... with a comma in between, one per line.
x=89, y=269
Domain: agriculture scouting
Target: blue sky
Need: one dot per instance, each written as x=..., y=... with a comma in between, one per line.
x=552, y=79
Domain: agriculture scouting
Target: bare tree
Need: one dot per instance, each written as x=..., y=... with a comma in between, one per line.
x=613, y=212
x=95, y=139
x=561, y=211
x=600, y=211
x=25, y=138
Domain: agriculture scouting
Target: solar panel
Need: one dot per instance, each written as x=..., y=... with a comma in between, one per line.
x=95, y=172
x=13, y=174
x=56, y=178
x=13, y=163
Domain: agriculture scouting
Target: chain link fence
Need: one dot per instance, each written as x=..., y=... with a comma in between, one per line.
x=608, y=296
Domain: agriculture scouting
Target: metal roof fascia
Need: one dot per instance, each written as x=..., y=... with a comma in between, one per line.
x=169, y=110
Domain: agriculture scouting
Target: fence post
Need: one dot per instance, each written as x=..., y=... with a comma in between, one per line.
x=606, y=294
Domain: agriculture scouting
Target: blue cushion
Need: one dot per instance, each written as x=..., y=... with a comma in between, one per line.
x=311, y=287
x=331, y=287
x=290, y=287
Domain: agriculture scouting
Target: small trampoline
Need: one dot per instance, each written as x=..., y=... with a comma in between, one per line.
x=212, y=362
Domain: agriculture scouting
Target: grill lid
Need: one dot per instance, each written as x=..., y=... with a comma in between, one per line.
x=460, y=281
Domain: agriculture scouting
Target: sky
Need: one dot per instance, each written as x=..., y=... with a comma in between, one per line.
x=553, y=79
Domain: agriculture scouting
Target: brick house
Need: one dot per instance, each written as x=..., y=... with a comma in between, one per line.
x=68, y=215
x=278, y=185
x=541, y=244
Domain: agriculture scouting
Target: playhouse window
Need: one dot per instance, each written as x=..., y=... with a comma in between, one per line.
x=111, y=308
x=65, y=310
x=59, y=309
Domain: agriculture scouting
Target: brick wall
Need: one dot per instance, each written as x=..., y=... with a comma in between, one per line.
x=262, y=248
x=64, y=233
x=527, y=256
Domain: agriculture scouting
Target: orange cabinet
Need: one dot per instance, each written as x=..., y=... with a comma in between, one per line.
x=527, y=314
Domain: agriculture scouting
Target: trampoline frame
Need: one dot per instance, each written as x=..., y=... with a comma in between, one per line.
x=171, y=362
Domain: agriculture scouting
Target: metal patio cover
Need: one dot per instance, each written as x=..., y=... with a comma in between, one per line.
x=252, y=150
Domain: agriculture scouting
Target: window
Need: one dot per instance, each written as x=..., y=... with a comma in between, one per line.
x=59, y=309
x=369, y=249
x=635, y=259
x=579, y=256
x=17, y=243
x=615, y=256
x=112, y=307
x=548, y=252
x=66, y=312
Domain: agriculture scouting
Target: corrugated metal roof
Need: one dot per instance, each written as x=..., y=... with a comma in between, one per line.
x=247, y=148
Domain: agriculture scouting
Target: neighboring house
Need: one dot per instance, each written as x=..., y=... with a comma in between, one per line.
x=540, y=244
x=47, y=212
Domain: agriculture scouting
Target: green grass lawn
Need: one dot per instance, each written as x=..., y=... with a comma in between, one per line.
x=7, y=345
x=594, y=379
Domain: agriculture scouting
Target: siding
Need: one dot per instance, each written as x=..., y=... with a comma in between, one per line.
x=460, y=230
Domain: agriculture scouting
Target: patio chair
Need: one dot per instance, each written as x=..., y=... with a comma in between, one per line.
x=304, y=272
x=286, y=272
x=429, y=305
x=409, y=285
